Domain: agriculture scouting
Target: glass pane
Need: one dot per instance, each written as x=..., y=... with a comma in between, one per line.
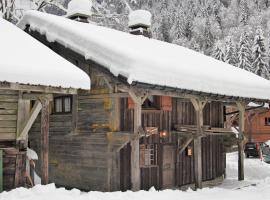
x=67, y=104
x=58, y=105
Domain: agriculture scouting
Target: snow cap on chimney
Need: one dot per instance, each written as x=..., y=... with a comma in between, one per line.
x=140, y=22
x=79, y=10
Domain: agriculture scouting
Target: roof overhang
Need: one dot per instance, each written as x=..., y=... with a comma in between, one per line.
x=36, y=88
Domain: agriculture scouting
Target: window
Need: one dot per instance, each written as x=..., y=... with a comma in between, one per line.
x=152, y=102
x=62, y=104
x=267, y=121
x=148, y=154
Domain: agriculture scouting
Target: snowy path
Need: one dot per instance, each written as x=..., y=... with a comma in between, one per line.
x=256, y=186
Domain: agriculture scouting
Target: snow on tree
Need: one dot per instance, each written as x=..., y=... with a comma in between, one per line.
x=244, y=12
x=218, y=52
x=230, y=52
x=245, y=53
x=259, y=55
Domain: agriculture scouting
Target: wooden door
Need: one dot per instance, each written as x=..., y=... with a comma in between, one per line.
x=168, y=166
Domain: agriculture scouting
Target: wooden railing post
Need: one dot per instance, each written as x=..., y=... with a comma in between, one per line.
x=241, y=107
x=44, y=141
x=198, y=106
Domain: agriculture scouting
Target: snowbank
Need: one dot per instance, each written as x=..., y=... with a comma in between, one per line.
x=147, y=60
x=25, y=60
x=256, y=186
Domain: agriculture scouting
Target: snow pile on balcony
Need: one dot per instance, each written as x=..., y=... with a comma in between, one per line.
x=25, y=60
x=149, y=61
x=139, y=17
x=79, y=7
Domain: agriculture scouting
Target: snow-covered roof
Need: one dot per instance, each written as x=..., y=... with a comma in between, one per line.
x=150, y=61
x=24, y=60
x=139, y=17
x=79, y=7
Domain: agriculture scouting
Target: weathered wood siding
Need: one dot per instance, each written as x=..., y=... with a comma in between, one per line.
x=13, y=168
x=78, y=155
x=213, y=162
x=8, y=114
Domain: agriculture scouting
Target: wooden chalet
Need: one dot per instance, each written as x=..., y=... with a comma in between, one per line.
x=26, y=90
x=163, y=126
x=257, y=121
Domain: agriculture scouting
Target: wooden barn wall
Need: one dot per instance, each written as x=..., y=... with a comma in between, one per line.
x=74, y=160
x=8, y=114
x=213, y=162
x=150, y=118
x=183, y=113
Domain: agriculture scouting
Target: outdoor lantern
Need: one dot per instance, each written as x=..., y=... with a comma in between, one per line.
x=189, y=151
x=163, y=134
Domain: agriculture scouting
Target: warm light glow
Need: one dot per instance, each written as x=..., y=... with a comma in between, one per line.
x=163, y=134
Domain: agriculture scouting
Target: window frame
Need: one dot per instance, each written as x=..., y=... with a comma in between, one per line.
x=63, y=104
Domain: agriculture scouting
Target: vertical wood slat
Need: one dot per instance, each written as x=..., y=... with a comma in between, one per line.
x=45, y=141
x=1, y=170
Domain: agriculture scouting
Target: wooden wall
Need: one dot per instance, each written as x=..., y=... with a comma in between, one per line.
x=78, y=155
x=213, y=162
x=8, y=114
x=259, y=131
x=78, y=158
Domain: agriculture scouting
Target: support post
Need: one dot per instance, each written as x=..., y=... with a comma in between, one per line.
x=44, y=141
x=198, y=106
x=240, y=143
x=135, y=142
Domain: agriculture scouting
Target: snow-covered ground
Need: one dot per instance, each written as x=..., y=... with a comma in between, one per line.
x=256, y=186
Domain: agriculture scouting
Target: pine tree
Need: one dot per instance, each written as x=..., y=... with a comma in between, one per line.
x=244, y=12
x=230, y=52
x=259, y=54
x=218, y=52
x=244, y=53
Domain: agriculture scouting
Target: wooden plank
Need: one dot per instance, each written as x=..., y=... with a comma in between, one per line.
x=1, y=170
x=7, y=130
x=29, y=122
x=8, y=117
x=8, y=112
x=45, y=141
x=7, y=105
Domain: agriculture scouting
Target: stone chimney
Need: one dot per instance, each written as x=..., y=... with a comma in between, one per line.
x=140, y=22
x=79, y=10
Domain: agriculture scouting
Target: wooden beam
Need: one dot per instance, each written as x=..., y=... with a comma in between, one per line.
x=36, y=96
x=23, y=112
x=36, y=88
x=241, y=106
x=198, y=105
x=45, y=141
x=29, y=122
x=135, y=142
x=184, y=146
